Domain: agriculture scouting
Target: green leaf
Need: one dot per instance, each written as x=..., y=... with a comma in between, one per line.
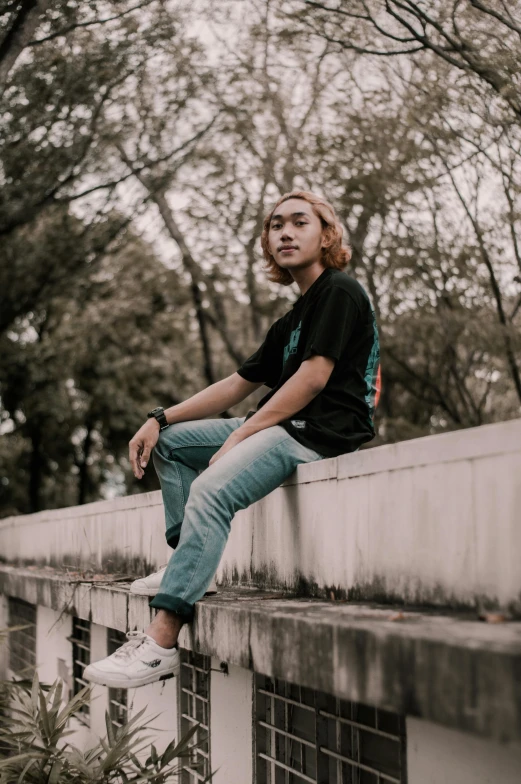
x=55, y=772
x=81, y=698
x=57, y=696
x=211, y=775
x=24, y=771
x=44, y=716
x=110, y=729
x=35, y=691
x=172, y=751
x=21, y=758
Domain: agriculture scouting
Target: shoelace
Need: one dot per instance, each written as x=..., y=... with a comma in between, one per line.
x=127, y=650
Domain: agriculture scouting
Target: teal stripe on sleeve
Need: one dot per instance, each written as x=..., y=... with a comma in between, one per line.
x=371, y=371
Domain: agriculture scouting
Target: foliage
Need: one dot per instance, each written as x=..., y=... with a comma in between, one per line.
x=140, y=146
x=83, y=364
x=33, y=739
x=476, y=37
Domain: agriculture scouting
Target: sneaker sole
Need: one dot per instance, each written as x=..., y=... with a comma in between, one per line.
x=113, y=683
x=144, y=591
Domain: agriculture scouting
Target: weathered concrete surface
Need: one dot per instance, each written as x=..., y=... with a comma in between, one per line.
x=122, y=535
x=231, y=724
x=455, y=672
x=437, y=755
x=430, y=521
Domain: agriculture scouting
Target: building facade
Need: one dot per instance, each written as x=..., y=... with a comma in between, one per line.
x=345, y=644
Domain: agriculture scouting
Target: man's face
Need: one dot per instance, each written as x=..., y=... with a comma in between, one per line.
x=295, y=235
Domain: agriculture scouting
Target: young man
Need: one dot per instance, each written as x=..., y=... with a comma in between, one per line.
x=321, y=361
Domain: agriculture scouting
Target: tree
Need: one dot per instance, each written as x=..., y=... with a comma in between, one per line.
x=481, y=38
x=81, y=369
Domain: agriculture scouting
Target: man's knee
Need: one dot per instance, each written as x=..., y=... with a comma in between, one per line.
x=181, y=443
x=178, y=434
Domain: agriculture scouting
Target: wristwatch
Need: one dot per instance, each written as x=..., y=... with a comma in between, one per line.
x=159, y=414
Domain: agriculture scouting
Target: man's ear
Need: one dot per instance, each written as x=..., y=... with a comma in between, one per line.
x=327, y=238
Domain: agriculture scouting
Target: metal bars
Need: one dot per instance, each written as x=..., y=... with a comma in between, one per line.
x=302, y=735
x=22, y=642
x=80, y=640
x=285, y=732
x=194, y=693
x=118, y=707
x=364, y=745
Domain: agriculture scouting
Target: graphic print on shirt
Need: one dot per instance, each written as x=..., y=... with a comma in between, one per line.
x=373, y=377
x=291, y=348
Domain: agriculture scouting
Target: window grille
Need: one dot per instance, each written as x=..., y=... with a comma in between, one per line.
x=80, y=659
x=302, y=735
x=118, y=706
x=22, y=643
x=195, y=709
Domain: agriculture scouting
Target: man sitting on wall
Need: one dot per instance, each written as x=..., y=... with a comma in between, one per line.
x=321, y=360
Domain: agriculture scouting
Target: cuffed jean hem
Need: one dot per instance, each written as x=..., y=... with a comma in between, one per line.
x=163, y=601
x=172, y=538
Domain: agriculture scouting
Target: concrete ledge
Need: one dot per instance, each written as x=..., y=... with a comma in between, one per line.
x=430, y=521
x=453, y=671
x=473, y=443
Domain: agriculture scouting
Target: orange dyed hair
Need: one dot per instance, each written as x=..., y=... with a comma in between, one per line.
x=334, y=253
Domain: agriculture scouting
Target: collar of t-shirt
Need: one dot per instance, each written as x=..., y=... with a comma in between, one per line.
x=314, y=286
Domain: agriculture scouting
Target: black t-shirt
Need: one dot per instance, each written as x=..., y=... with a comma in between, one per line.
x=334, y=318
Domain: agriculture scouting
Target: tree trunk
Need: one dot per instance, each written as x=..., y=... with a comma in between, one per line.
x=83, y=477
x=19, y=34
x=35, y=471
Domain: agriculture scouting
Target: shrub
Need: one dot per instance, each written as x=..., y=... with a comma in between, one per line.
x=34, y=725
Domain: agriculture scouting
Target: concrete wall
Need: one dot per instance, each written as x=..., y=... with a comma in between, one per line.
x=160, y=703
x=434, y=520
x=4, y=623
x=231, y=724
x=54, y=660
x=437, y=755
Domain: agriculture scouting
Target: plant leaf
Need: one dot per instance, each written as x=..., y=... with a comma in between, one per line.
x=55, y=772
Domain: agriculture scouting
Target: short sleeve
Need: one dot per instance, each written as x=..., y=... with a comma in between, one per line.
x=334, y=320
x=264, y=366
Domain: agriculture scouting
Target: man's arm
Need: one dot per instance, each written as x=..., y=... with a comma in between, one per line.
x=214, y=399
x=299, y=390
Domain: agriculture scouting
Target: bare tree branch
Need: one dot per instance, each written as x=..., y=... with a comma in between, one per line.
x=496, y=291
x=429, y=34
x=77, y=25
x=19, y=34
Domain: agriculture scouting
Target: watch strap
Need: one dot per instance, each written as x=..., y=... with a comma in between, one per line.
x=159, y=414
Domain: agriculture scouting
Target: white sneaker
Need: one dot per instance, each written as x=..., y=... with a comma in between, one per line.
x=149, y=586
x=138, y=662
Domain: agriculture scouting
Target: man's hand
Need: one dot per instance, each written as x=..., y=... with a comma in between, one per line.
x=141, y=445
x=232, y=440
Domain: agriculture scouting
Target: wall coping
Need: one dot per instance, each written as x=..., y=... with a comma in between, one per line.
x=468, y=444
x=447, y=669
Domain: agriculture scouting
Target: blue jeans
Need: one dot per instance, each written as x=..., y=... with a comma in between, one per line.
x=199, y=507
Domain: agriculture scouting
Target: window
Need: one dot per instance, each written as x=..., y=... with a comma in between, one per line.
x=80, y=659
x=118, y=709
x=22, y=643
x=361, y=743
x=195, y=709
x=303, y=735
